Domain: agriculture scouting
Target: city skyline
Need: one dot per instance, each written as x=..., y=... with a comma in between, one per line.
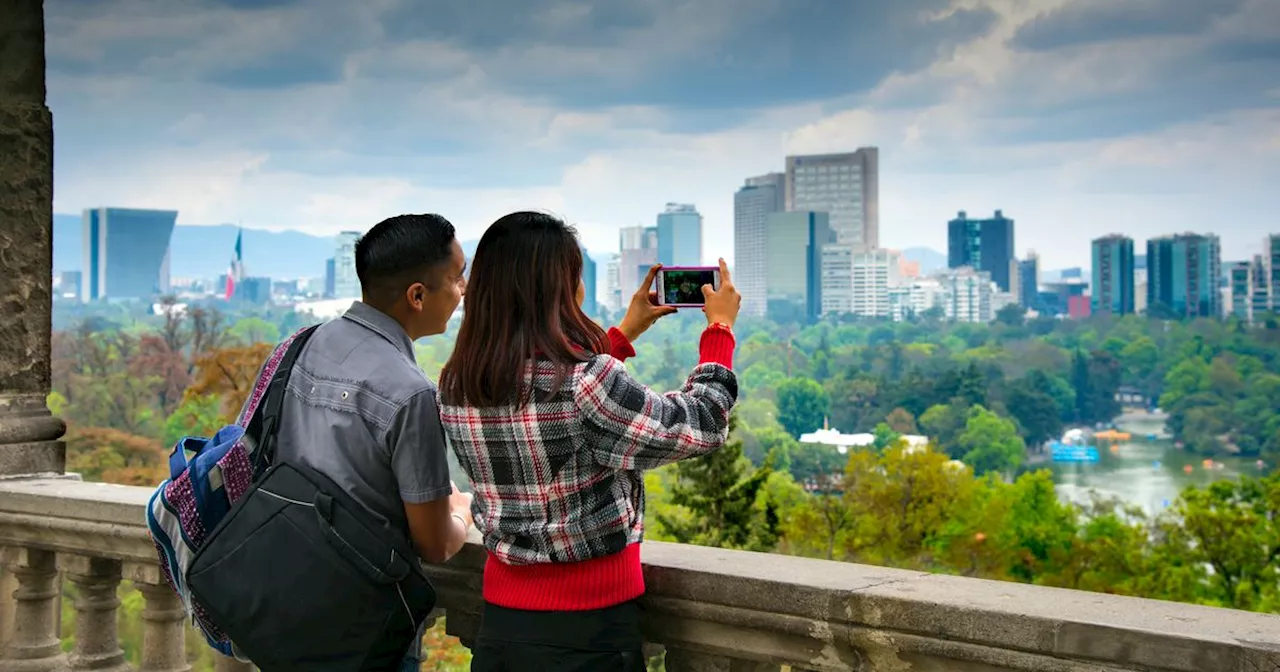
x=1082, y=118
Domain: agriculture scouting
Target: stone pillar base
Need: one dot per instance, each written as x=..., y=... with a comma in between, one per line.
x=29, y=436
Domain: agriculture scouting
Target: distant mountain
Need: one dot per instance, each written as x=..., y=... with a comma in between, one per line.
x=205, y=251
x=930, y=260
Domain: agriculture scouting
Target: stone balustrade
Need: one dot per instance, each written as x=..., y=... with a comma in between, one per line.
x=710, y=609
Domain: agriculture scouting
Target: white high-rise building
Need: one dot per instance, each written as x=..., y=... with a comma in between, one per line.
x=613, y=288
x=913, y=300
x=637, y=251
x=346, y=285
x=846, y=187
x=962, y=294
x=968, y=295
x=871, y=275
x=752, y=204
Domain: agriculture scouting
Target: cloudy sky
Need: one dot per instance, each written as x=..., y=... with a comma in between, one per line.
x=1076, y=117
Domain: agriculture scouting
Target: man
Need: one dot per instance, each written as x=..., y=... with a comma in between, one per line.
x=359, y=409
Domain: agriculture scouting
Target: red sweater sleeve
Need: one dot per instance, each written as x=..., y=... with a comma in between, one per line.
x=716, y=347
x=619, y=347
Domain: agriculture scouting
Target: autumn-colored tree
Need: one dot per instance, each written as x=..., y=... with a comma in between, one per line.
x=228, y=373
x=113, y=456
x=817, y=528
x=166, y=370
x=901, y=421
x=99, y=384
x=443, y=652
x=904, y=500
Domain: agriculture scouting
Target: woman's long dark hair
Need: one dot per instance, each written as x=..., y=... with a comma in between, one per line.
x=521, y=303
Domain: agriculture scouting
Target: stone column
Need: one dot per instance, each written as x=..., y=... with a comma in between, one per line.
x=29, y=434
x=97, y=644
x=164, y=630
x=34, y=645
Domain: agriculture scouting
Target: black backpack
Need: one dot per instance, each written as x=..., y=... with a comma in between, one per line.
x=299, y=575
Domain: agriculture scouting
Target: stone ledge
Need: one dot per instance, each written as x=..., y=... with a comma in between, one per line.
x=778, y=609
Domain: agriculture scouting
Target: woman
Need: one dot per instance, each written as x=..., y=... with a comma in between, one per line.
x=555, y=436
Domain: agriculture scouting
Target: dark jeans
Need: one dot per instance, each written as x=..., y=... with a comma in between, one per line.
x=602, y=640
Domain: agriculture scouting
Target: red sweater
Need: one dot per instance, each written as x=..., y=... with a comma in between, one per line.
x=560, y=492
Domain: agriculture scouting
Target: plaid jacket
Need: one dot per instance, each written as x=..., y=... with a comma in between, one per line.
x=562, y=481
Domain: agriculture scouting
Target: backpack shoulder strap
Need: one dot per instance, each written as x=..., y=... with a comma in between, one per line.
x=266, y=417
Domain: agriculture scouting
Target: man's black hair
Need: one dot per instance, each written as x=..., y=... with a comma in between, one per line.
x=400, y=251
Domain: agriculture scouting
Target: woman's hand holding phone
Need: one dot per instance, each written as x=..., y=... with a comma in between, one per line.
x=722, y=304
x=644, y=309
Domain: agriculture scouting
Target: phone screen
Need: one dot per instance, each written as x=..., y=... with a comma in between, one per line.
x=683, y=286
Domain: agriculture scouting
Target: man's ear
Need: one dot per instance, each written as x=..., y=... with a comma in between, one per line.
x=416, y=294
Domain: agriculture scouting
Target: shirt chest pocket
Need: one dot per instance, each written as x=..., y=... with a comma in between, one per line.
x=348, y=397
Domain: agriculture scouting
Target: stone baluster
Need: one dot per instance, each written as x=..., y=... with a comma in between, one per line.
x=97, y=646
x=163, y=626
x=684, y=660
x=33, y=645
x=9, y=558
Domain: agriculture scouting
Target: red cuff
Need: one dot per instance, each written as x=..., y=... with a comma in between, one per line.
x=716, y=347
x=619, y=346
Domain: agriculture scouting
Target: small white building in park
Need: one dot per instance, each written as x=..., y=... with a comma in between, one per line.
x=842, y=442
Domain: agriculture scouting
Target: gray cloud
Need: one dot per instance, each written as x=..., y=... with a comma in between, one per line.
x=695, y=53
x=1094, y=21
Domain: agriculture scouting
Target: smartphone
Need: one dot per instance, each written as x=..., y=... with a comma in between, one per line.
x=681, y=286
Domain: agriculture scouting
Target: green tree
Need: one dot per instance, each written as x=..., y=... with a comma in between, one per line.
x=251, y=330
x=1012, y=315
x=1084, y=388
x=885, y=436
x=943, y=423
x=1034, y=409
x=802, y=405
x=670, y=374
x=720, y=491
x=990, y=443
x=1232, y=526
x=198, y=415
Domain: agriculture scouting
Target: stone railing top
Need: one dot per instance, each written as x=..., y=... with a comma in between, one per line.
x=814, y=614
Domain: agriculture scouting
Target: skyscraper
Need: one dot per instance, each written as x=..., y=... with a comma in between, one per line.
x=637, y=251
x=346, y=284
x=1241, y=279
x=1029, y=281
x=329, y=277
x=590, y=302
x=1182, y=275
x=872, y=274
x=982, y=244
x=752, y=204
x=1113, y=275
x=793, y=263
x=846, y=187
x=680, y=235
x=612, y=287
x=126, y=253
x=1254, y=286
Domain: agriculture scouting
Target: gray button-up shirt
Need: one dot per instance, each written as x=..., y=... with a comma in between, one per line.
x=360, y=411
